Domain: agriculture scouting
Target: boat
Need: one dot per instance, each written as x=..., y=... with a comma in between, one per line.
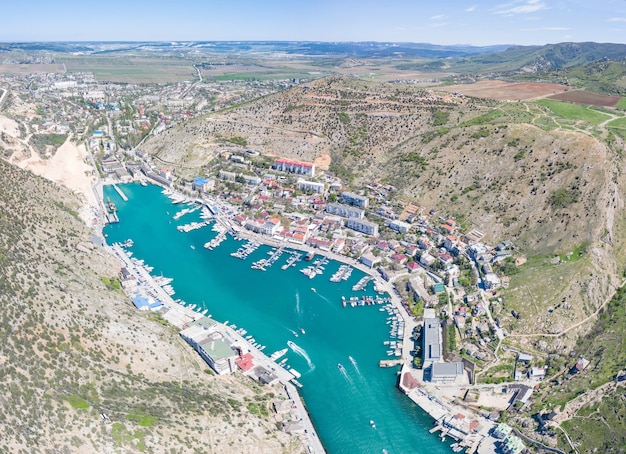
x=340, y=367
x=302, y=331
x=372, y=424
x=277, y=354
x=192, y=246
x=313, y=290
x=309, y=256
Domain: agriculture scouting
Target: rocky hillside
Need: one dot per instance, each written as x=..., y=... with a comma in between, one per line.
x=71, y=348
x=514, y=171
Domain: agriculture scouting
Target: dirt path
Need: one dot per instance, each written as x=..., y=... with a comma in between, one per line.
x=574, y=326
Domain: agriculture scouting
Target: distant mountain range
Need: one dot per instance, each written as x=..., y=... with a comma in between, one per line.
x=505, y=56
x=310, y=48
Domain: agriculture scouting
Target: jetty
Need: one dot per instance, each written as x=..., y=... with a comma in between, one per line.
x=119, y=191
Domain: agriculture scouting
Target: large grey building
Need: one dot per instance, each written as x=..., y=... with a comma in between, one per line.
x=354, y=199
x=360, y=225
x=346, y=211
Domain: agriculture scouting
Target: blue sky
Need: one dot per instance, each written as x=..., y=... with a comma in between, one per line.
x=478, y=22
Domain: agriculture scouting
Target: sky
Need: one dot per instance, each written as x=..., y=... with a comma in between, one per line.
x=476, y=22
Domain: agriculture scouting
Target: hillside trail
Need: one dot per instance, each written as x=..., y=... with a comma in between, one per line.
x=574, y=326
x=593, y=395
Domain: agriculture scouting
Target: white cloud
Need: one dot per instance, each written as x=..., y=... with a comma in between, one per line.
x=616, y=19
x=528, y=6
x=556, y=29
x=438, y=17
x=470, y=9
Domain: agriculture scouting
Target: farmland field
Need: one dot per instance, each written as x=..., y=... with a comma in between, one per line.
x=500, y=90
x=588, y=98
x=30, y=68
x=132, y=70
x=574, y=111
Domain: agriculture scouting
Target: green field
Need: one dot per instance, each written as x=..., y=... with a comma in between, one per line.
x=618, y=127
x=574, y=111
x=621, y=104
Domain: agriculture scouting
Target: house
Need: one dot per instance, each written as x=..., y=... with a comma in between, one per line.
x=399, y=226
x=427, y=260
x=446, y=259
x=399, y=258
x=369, y=259
x=537, y=373
x=449, y=242
x=413, y=266
x=491, y=281
x=580, y=365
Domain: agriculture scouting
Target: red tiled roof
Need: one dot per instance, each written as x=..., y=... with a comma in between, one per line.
x=293, y=163
x=245, y=362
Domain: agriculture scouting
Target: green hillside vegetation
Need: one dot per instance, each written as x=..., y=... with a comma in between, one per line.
x=621, y=104
x=618, y=127
x=598, y=426
x=71, y=347
x=541, y=59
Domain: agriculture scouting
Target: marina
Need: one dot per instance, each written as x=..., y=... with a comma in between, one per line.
x=284, y=312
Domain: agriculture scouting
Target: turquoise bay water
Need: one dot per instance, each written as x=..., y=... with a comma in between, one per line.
x=274, y=306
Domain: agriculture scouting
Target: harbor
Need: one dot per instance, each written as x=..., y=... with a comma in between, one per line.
x=313, y=320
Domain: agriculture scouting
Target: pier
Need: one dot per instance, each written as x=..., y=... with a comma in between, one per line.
x=119, y=191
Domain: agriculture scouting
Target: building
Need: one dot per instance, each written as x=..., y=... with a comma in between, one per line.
x=399, y=226
x=203, y=184
x=266, y=227
x=369, y=228
x=203, y=336
x=354, y=199
x=312, y=186
x=301, y=168
x=512, y=445
x=447, y=372
x=369, y=259
x=345, y=211
x=431, y=339
x=227, y=176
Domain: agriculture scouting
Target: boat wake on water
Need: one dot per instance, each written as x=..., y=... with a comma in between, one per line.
x=344, y=372
x=355, y=365
x=302, y=352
